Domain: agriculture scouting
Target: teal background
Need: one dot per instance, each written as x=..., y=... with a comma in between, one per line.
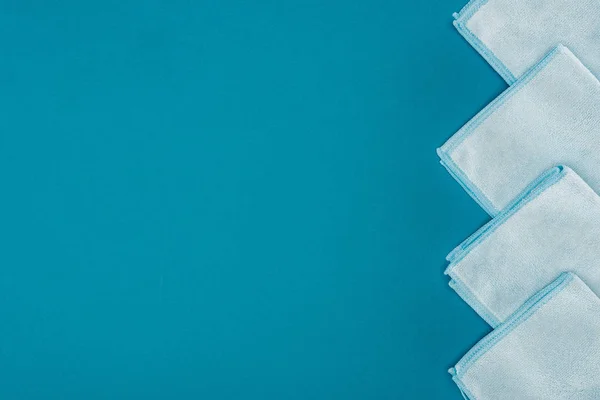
x=232, y=199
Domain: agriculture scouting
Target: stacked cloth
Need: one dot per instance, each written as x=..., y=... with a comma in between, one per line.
x=531, y=159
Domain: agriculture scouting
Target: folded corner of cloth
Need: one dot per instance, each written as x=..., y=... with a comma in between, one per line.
x=550, y=116
x=548, y=349
x=512, y=35
x=552, y=226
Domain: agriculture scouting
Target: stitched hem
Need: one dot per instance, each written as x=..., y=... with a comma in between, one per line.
x=445, y=151
x=473, y=301
x=460, y=23
x=528, y=309
x=533, y=190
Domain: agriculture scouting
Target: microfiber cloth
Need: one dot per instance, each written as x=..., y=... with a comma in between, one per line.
x=550, y=116
x=512, y=35
x=554, y=224
x=549, y=349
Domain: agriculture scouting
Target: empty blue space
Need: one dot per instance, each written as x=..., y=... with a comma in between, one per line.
x=232, y=199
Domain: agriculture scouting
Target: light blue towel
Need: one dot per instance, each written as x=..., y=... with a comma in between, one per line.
x=512, y=35
x=549, y=349
x=554, y=226
x=548, y=117
x=546, y=342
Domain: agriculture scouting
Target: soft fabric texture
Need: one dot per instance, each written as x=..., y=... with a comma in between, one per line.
x=512, y=35
x=547, y=350
x=552, y=227
x=549, y=117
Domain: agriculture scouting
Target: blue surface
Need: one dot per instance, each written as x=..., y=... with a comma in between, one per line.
x=232, y=200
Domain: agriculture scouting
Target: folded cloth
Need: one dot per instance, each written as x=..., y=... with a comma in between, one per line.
x=553, y=224
x=549, y=117
x=512, y=35
x=548, y=349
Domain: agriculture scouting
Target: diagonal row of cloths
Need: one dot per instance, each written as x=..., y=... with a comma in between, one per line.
x=531, y=159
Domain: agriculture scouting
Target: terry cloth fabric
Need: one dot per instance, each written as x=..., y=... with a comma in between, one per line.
x=512, y=35
x=552, y=227
x=549, y=117
x=547, y=350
